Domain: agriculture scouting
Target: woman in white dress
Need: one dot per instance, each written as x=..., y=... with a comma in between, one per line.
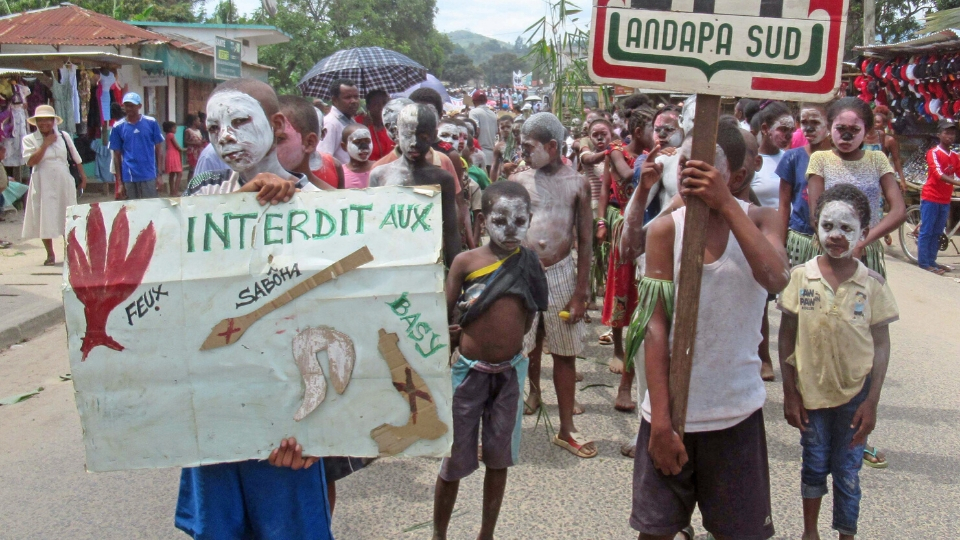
x=52, y=189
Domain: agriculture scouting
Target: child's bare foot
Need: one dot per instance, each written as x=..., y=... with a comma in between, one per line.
x=579, y=377
x=532, y=404
x=577, y=408
x=624, y=402
x=616, y=365
x=628, y=450
x=810, y=536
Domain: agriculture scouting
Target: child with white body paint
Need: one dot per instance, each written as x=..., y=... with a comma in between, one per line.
x=561, y=208
x=284, y=496
x=358, y=143
x=834, y=350
x=493, y=294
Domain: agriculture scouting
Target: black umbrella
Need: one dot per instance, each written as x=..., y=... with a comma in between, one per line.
x=372, y=68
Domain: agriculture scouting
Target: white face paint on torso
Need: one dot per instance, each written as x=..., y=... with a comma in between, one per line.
x=508, y=222
x=839, y=229
x=358, y=144
x=241, y=133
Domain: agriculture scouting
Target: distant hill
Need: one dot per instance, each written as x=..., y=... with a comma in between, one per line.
x=480, y=48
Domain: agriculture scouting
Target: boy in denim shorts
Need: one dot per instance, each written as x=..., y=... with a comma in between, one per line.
x=497, y=289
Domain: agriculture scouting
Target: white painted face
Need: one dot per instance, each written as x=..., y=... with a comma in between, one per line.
x=390, y=113
x=359, y=144
x=839, y=229
x=290, y=149
x=814, y=125
x=508, y=222
x=449, y=133
x=463, y=134
x=535, y=154
x=240, y=131
x=781, y=132
x=412, y=146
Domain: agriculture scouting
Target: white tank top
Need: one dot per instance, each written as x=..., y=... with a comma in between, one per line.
x=725, y=384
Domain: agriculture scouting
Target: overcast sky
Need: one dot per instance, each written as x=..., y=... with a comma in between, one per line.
x=499, y=19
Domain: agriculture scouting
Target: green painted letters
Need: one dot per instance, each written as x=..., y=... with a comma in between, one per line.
x=267, y=228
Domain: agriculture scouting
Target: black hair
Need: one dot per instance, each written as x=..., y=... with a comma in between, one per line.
x=116, y=111
x=259, y=90
x=750, y=107
x=169, y=127
x=301, y=114
x=640, y=118
x=730, y=140
x=373, y=94
x=849, y=194
x=771, y=112
x=728, y=119
x=603, y=121
x=337, y=83
x=426, y=118
x=473, y=124
x=428, y=96
x=189, y=120
x=202, y=116
x=853, y=104
x=498, y=190
x=635, y=101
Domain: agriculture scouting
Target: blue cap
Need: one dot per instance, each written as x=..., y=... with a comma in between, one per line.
x=132, y=97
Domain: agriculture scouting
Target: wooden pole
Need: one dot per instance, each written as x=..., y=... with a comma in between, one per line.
x=687, y=302
x=869, y=23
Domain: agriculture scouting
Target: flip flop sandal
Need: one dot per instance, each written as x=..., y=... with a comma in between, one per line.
x=629, y=450
x=876, y=465
x=606, y=339
x=49, y=262
x=4, y=244
x=945, y=268
x=575, y=445
x=888, y=240
x=934, y=270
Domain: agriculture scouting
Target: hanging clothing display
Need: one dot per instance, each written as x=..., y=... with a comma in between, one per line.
x=93, y=117
x=19, y=111
x=63, y=102
x=40, y=94
x=107, y=80
x=68, y=73
x=83, y=89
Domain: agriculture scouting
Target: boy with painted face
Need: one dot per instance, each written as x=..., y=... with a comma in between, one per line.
x=493, y=294
x=416, y=133
x=296, y=146
x=357, y=141
x=834, y=350
x=285, y=496
x=561, y=208
x=727, y=475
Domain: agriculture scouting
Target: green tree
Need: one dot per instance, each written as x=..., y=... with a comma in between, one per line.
x=459, y=69
x=321, y=27
x=896, y=20
x=499, y=68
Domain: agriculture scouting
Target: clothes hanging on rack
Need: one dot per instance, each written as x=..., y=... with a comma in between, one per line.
x=69, y=72
x=107, y=80
x=63, y=102
x=93, y=118
x=15, y=143
x=83, y=83
x=40, y=94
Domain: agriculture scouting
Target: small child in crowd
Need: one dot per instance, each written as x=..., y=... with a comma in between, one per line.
x=357, y=142
x=296, y=145
x=496, y=289
x=174, y=161
x=942, y=166
x=834, y=349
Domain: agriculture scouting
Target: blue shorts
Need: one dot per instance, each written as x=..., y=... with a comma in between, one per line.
x=253, y=499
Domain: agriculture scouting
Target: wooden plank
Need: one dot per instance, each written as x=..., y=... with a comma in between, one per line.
x=687, y=302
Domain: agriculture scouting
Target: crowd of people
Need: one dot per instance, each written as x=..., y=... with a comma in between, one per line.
x=527, y=206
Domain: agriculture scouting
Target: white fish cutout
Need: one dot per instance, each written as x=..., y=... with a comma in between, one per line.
x=342, y=354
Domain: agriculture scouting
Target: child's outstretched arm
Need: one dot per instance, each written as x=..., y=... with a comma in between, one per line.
x=793, y=410
x=866, y=415
x=666, y=448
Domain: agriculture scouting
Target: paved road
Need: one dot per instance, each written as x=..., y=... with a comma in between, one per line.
x=46, y=492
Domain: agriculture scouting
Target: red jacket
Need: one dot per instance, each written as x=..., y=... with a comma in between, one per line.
x=382, y=143
x=940, y=162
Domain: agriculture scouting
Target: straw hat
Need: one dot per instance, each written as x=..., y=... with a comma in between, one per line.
x=44, y=111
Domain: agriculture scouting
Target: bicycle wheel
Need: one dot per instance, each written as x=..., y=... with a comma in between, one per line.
x=909, y=231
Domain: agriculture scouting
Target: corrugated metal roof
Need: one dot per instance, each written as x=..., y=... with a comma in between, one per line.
x=68, y=24
x=944, y=40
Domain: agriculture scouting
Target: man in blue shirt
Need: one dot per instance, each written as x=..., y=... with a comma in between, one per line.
x=132, y=140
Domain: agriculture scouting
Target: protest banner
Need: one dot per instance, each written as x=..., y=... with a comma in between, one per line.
x=766, y=49
x=206, y=329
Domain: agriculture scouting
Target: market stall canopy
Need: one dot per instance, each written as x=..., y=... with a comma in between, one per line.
x=70, y=25
x=372, y=68
x=41, y=61
x=4, y=72
x=937, y=42
x=432, y=83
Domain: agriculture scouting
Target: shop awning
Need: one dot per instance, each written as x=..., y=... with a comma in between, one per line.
x=179, y=61
x=939, y=42
x=53, y=60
